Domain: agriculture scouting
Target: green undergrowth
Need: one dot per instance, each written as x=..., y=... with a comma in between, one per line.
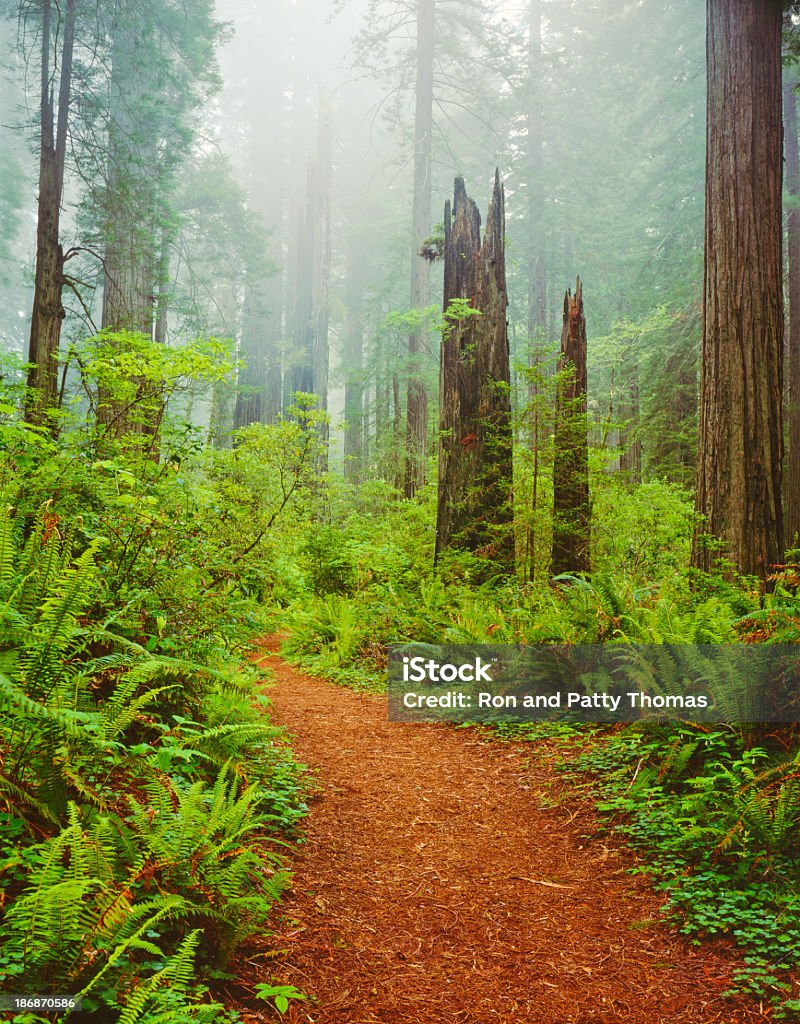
x=147, y=801
x=714, y=812
x=147, y=804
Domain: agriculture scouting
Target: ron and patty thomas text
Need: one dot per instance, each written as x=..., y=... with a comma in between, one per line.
x=422, y=670
x=607, y=701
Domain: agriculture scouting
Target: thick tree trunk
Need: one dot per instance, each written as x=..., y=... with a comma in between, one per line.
x=792, y=497
x=741, y=443
x=571, y=509
x=48, y=310
x=417, y=400
x=475, y=502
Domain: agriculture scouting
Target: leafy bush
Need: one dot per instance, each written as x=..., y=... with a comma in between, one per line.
x=145, y=796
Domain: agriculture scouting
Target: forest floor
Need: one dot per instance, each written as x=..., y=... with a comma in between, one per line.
x=450, y=880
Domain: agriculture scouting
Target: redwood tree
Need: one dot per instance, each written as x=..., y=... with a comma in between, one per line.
x=309, y=373
x=792, y=502
x=475, y=510
x=48, y=311
x=741, y=444
x=417, y=398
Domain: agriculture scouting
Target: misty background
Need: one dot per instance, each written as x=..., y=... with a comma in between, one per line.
x=289, y=165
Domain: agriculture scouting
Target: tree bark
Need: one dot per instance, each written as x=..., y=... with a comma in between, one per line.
x=48, y=310
x=475, y=499
x=354, y=370
x=792, y=410
x=417, y=399
x=130, y=215
x=311, y=357
x=537, y=279
x=741, y=443
x=251, y=384
x=571, y=509
x=630, y=459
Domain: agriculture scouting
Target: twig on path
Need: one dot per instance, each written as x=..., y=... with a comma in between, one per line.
x=540, y=881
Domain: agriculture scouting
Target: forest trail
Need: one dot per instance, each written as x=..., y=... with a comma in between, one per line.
x=446, y=881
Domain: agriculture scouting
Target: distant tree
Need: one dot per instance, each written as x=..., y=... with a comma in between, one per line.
x=14, y=196
x=475, y=509
x=533, y=175
x=162, y=67
x=741, y=444
x=571, y=510
x=311, y=357
x=417, y=399
x=354, y=454
x=434, y=58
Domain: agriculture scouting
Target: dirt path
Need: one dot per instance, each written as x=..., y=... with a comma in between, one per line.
x=443, y=882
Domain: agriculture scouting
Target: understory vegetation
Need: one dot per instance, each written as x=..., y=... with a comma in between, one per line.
x=146, y=802
x=714, y=810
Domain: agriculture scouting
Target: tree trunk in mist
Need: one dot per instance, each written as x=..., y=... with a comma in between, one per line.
x=417, y=399
x=259, y=386
x=163, y=295
x=475, y=501
x=630, y=459
x=309, y=374
x=129, y=229
x=129, y=225
x=537, y=280
x=251, y=384
x=571, y=509
x=354, y=370
x=792, y=502
x=48, y=310
x=220, y=420
x=741, y=443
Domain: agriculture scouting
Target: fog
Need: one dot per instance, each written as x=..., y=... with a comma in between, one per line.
x=310, y=141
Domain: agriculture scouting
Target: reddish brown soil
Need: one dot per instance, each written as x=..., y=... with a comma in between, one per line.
x=447, y=880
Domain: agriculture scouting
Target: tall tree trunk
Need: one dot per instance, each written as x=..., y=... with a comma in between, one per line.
x=630, y=459
x=571, y=509
x=417, y=400
x=48, y=310
x=129, y=225
x=792, y=502
x=741, y=444
x=311, y=357
x=162, y=287
x=220, y=420
x=537, y=281
x=354, y=370
x=129, y=229
x=252, y=380
x=475, y=501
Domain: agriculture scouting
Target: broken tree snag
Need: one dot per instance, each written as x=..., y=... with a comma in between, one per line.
x=571, y=510
x=475, y=506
